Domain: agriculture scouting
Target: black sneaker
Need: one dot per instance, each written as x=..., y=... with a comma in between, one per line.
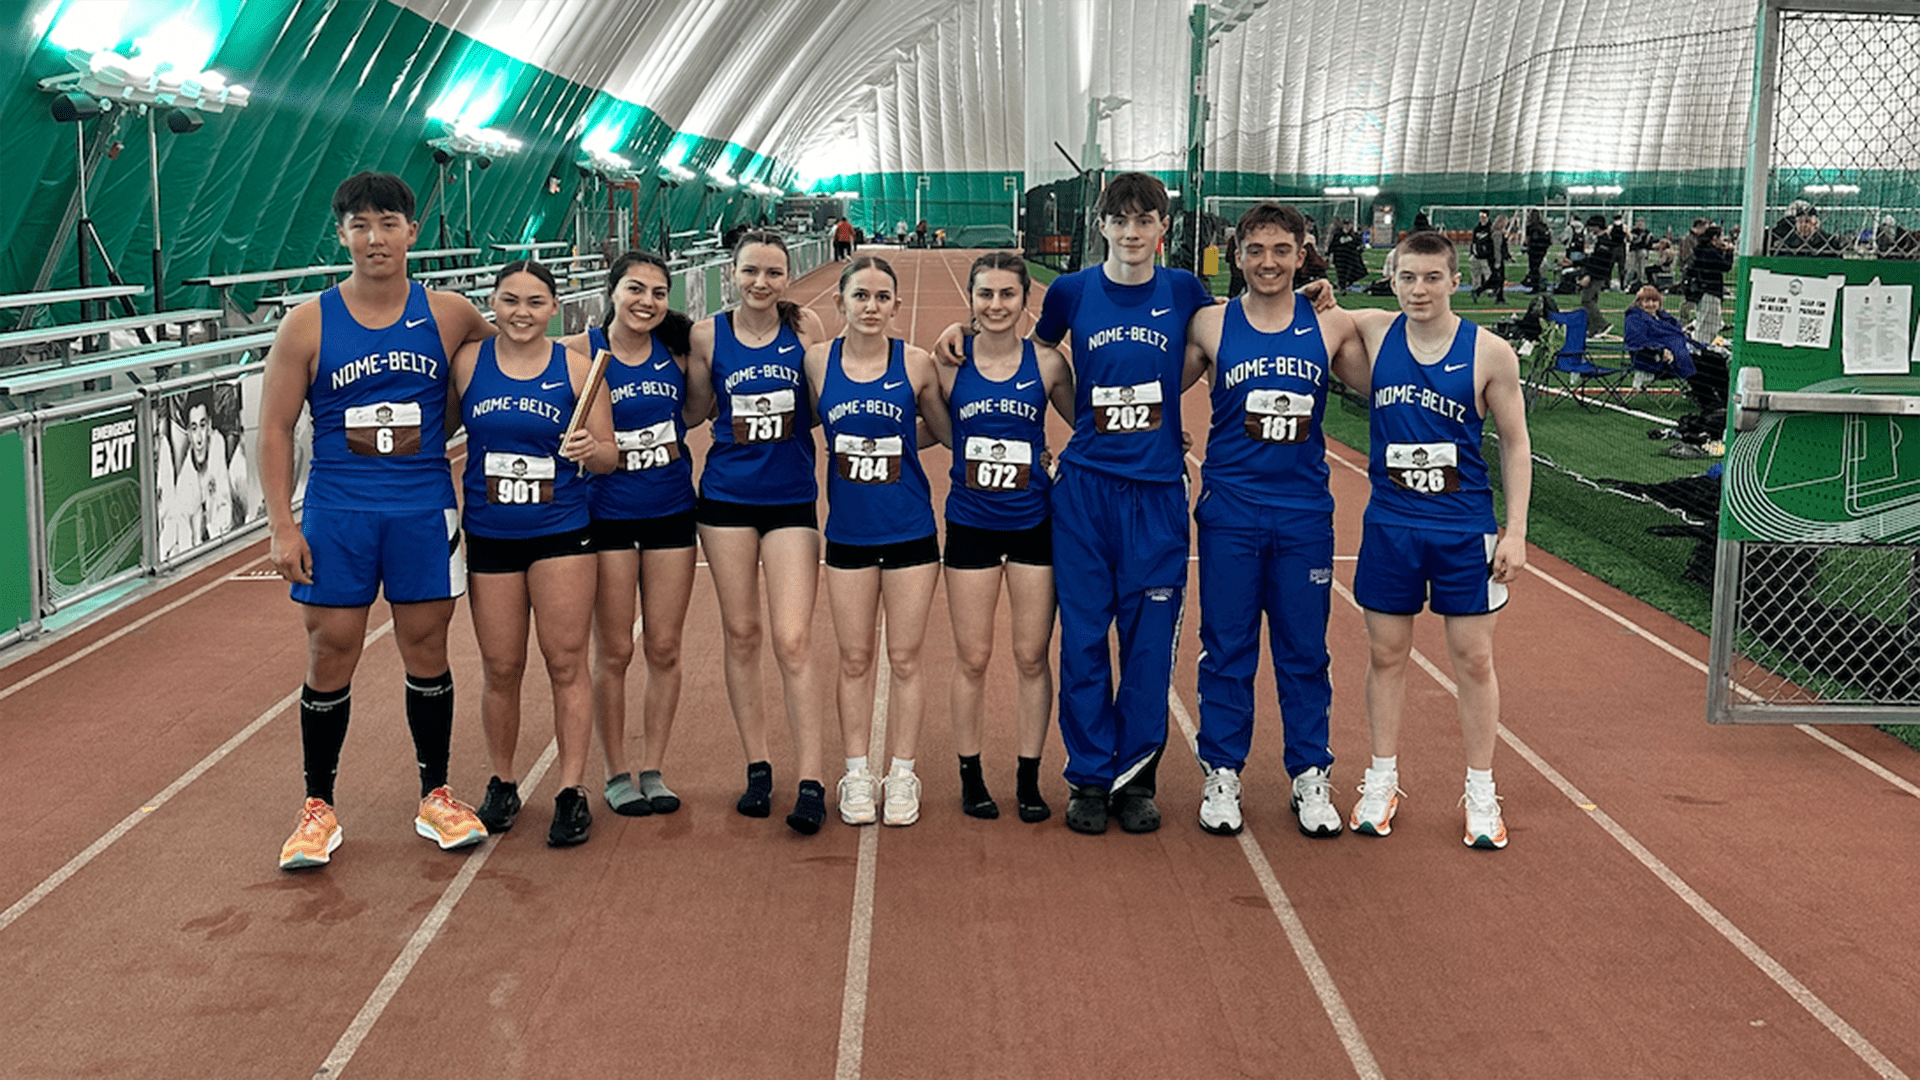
x=1087, y=809
x=501, y=805
x=571, y=818
x=1136, y=810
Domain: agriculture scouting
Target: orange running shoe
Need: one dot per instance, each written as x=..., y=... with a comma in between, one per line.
x=447, y=821
x=1486, y=828
x=314, y=839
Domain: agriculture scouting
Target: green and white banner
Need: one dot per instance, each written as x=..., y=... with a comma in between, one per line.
x=16, y=562
x=90, y=478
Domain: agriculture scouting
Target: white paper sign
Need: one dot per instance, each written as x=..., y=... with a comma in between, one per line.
x=1873, y=330
x=1791, y=310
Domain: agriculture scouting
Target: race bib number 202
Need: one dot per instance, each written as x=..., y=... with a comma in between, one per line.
x=1126, y=410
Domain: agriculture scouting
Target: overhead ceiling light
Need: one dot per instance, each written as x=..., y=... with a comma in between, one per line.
x=675, y=174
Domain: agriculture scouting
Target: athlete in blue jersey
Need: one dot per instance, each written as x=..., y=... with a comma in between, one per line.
x=756, y=509
x=1120, y=507
x=1265, y=518
x=999, y=523
x=1429, y=537
x=529, y=550
x=872, y=391
x=370, y=359
x=642, y=522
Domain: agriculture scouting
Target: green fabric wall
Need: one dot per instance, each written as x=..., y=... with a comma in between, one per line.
x=338, y=86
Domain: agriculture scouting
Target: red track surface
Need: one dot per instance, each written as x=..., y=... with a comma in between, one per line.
x=1763, y=930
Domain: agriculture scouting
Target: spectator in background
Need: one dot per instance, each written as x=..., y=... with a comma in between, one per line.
x=1712, y=258
x=1639, y=250
x=1784, y=228
x=1808, y=238
x=1480, y=252
x=1422, y=223
x=1348, y=252
x=1655, y=340
x=1683, y=250
x=920, y=234
x=1660, y=264
x=1539, y=239
x=842, y=240
x=1594, y=272
x=1575, y=240
x=1891, y=241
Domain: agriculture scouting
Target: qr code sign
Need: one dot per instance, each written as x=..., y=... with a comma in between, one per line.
x=1767, y=326
x=1808, y=331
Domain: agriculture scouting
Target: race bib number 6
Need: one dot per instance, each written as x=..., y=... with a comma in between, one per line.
x=998, y=464
x=384, y=429
x=1424, y=468
x=763, y=418
x=1275, y=416
x=518, y=479
x=866, y=460
x=647, y=448
x=1126, y=410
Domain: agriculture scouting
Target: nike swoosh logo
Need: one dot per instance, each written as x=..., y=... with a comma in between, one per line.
x=1159, y=311
x=788, y=348
x=411, y=323
x=662, y=365
x=1451, y=367
x=551, y=385
x=1303, y=329
x=893, y=385
x=1024, y=385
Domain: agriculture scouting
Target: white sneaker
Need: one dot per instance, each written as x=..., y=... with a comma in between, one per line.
x=1313, y=802
x=1485, y=827
x=1379, y=799
x=857, y=791
x=1220, y=803
x=902, y=798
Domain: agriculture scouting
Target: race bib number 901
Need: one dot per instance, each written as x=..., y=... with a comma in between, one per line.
x=647, y=448
x=384, y=429
x=998, y=464
x=518, y=479
x=865, y=460
x=1126, y=410
x=763, y=418
x=1276, y=416
x=1424, y=468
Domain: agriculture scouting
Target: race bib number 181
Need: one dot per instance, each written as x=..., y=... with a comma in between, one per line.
x=1275, y=416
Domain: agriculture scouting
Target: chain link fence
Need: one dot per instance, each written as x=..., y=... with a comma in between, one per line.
x=1822, y=631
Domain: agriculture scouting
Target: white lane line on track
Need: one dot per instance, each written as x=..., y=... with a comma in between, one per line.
x=1335, y=1006
x=1700, y=666
x=66, y=661
x=78, y=862
x=1755, y=954
x=423, y=935
x=853, y=998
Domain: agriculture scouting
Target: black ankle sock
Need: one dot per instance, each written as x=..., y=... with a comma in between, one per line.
x=323, y=731
x=757, y=800
x=975, y=800
x=1033, y=807
x=809, y=809
x=430, y=718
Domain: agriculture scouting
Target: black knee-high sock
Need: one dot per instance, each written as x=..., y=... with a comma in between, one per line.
x=430, y=718
x=323, y=731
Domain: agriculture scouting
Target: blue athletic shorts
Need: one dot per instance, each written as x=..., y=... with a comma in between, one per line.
x=1403, y=569
x=414, y=555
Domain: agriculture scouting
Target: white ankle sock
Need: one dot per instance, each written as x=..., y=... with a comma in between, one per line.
x=857, y=764
x=1480, y=776
x=903, y=765
x=1386, y=764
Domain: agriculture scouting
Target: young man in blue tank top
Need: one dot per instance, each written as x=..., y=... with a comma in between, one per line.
x=1430, y=539
x=1120, y=506
x=1265, y=518
x=370, y=359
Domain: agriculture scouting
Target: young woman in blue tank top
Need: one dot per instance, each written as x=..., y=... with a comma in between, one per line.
x=529, y=551
x=872, y=392
x=998, y=522
x=756, y=509
x=643, y=528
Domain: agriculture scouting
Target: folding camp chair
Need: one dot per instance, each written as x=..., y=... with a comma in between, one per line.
x=1575, y=373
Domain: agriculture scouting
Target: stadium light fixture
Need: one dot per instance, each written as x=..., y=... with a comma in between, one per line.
x=1831, y=189
x=673, y=174
x=718, y=179
x=140, y=80
x=1605, y=191
x=846, y=194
